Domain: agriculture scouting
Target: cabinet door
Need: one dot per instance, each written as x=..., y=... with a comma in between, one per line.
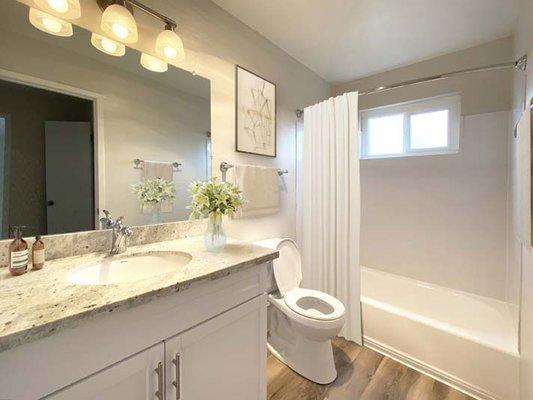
x=223, y=358
x=136, y=378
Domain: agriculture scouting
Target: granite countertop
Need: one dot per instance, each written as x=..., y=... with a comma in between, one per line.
x=39, y=303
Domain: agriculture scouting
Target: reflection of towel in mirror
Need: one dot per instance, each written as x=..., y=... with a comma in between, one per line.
x=163, y=170
x=259, y=186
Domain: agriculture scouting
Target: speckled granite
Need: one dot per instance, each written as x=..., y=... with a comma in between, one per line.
x=79, y=243
x=39, y=303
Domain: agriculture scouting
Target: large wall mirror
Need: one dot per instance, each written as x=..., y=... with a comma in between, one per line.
x=79, y=128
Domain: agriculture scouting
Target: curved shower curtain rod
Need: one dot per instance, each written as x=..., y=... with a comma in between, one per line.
x=520, y=64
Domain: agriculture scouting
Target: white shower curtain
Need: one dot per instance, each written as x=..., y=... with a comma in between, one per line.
x=330, y=199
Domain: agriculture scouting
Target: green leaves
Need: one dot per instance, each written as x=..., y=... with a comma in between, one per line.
x=214, y=197
x=151, y=191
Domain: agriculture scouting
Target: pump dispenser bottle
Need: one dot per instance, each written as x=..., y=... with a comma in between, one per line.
x=18, y=253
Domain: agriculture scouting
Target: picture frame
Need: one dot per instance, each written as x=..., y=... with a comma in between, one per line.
x=255, y=114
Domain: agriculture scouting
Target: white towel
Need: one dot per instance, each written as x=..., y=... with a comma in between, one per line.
x=163, y=170
x=259, y=186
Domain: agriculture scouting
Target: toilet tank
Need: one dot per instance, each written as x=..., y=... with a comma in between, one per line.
x=271, y=286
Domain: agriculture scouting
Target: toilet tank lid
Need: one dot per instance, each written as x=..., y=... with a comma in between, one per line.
x=288, y=267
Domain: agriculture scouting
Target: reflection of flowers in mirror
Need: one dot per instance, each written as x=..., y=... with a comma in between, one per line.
x=154, y=191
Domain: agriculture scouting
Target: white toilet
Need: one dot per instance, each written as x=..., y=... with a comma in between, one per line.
x=301, y=322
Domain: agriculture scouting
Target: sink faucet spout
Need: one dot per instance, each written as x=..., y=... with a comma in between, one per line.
x=121, y=233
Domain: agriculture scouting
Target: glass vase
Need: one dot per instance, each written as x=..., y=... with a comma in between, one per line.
x=155, y=214
x=214, y=237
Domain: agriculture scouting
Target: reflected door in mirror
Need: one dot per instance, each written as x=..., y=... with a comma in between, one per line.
x=69, y=176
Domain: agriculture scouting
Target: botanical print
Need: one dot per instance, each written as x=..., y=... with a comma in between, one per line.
x=256, y=114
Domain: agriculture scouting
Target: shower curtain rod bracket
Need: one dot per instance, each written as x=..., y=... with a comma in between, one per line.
x=521, y=63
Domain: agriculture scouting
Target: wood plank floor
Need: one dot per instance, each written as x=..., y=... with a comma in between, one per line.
x=363, y=374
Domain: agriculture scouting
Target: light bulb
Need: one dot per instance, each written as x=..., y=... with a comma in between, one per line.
x=120, y=30
x=169, y=46
x=64, y=9
x=52, y=25
x=170, y=52
x=110, y=46
x=118, y=23
x=107, y=45
x=153, y=64
x=61, y=6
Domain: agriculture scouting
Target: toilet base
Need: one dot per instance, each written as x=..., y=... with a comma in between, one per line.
x=305, y=350
x=301, y=343
x=312, y=362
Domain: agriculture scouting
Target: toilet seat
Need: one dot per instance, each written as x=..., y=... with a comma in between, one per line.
x=314, y=304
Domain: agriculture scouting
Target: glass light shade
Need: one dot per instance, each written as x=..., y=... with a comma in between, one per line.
x=153, y=64
x=169, y=46
x=49, y=23
x=107, y=45
x=119, y=24
x=67, y=9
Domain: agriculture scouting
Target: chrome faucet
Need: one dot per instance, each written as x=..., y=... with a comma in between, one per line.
x=121, y=233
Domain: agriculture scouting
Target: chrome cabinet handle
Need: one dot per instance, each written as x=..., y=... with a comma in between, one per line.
x=160, y=391
x=176, y=382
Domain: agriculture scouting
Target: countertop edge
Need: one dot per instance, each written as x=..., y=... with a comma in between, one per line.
x=42, y=331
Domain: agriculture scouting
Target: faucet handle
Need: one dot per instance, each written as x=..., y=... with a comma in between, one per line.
x=107, y=222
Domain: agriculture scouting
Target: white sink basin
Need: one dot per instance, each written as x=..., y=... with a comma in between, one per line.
x=136, y=267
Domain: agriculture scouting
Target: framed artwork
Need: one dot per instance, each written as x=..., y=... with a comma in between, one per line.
x=255, y=114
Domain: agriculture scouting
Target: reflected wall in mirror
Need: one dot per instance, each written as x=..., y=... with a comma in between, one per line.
x=72, y=122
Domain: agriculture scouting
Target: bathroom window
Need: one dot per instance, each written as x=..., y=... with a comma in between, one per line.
x=424, y=127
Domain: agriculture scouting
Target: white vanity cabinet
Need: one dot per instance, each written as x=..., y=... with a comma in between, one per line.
x=214, y=360
x=219, y=359
x=135, y=378
x=207, y=342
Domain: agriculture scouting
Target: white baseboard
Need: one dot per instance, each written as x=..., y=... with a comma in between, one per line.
x=426, y=369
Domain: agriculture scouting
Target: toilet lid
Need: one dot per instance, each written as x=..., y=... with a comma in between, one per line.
x=288, y=267
x=314, y=304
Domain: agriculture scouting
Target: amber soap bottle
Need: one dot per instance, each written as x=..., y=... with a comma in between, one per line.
x=37, y=253
x=18, y=253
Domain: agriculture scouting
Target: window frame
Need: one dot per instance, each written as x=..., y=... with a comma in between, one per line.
x=451, y=103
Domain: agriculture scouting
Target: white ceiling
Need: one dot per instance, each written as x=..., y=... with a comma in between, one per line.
x=343, y=40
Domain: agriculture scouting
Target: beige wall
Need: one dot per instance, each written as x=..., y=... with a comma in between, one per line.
x=442, y=219
x=480, y=92
x=523, y=254
x=215, y=42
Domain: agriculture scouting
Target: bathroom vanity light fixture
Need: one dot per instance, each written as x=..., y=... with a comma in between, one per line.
x=118, y=21
x=119, y=24
x=108, y=46
x=49, y=23
x=67, y=9
x=168, y=45
x=153, y=64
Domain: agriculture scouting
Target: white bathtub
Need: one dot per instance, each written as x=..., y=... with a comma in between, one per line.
x=467, y=341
